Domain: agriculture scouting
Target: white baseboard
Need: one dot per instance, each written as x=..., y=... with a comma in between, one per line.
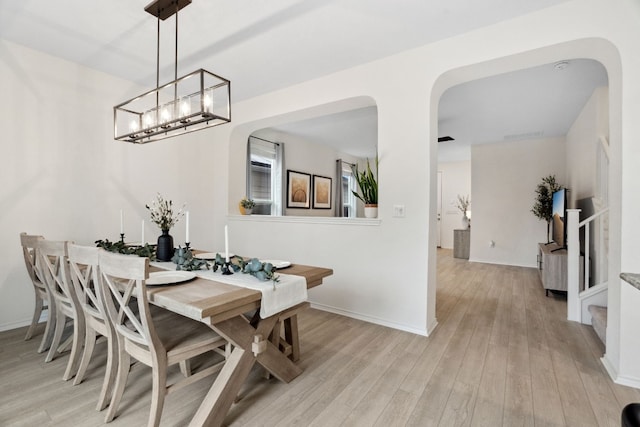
x=371, y=319
x=615, y=375
x=22, y=323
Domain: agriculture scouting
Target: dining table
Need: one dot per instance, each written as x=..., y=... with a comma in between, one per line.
x=223, y=308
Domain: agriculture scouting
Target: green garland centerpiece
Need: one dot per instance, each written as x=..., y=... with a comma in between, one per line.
x=122, y=248
x=184, y=260
x=262, y=271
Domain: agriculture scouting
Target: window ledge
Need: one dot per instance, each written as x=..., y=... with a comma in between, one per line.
x=307, y=220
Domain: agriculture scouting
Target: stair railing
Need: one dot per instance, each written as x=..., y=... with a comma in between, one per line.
x=574, y=309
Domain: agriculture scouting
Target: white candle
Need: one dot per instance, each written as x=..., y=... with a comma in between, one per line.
x=187, y=221
x=142, y=234
x=121, y=222
x=226, y=243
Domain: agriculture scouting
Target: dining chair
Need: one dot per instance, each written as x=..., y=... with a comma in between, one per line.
x=157, y=342
x=55, y=270
x=29, y=244
x=83, y=266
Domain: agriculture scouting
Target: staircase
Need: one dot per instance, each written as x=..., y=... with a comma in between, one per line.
x=599, y=321
x=587, y=303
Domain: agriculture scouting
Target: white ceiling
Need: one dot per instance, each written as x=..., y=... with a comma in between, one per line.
x=262, y=46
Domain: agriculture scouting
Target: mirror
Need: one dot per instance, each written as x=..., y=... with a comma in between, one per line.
x=292, y=168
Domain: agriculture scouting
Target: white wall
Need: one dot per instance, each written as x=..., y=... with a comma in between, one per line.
x=386, y=272
x=456, y=180
x=65, y=177
x=582, y=142
x=313, y=158
x=504, y=177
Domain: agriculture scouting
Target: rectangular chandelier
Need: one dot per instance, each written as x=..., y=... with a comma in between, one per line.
x=196, y=101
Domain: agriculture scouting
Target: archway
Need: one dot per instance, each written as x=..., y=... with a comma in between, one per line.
x=596, y=49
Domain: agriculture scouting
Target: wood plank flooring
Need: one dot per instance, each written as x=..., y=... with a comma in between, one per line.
x=502, y=355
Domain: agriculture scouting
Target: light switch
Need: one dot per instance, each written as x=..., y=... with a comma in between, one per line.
x=398, y=211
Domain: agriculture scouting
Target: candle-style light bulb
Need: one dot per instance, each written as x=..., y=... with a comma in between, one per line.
x=165, y=115
x=133, y=126
x=207, y=103
x=148, y=120
x=185, y=107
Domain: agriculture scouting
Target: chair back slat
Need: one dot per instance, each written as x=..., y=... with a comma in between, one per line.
x=122, y=277
x=83, y=266
x=29, y=244
x=55, y=269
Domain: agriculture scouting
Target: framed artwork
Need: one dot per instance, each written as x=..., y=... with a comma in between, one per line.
x=298, y=190
x=321, y=192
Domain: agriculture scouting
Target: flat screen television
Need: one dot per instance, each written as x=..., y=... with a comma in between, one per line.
x=558, y=214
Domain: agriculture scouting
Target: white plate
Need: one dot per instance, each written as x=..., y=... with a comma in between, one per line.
x=211, y=255
x=168, y=277
x=277, y=263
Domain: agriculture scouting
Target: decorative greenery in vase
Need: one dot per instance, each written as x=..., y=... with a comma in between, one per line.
x=162, y=213
x=543, y=207
x=463, y=205
x=367, y=183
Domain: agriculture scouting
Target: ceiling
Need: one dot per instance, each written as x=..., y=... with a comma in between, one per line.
x=263, y=46
x=538, y=102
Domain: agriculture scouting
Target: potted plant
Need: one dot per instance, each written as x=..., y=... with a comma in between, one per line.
x=368, y=185
x=246, y=206
x=543, y=207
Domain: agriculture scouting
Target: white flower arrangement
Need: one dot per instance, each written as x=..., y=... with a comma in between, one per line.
x=162, y=213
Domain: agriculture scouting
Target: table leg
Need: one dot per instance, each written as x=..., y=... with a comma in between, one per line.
x=224, y=390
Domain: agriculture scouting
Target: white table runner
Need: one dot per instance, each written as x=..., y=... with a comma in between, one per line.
x=289, y=291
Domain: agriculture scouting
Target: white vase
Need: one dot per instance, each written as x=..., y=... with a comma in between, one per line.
x=370, y=211
x=465, y=222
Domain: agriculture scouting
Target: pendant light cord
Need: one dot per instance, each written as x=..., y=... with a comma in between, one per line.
x=175, y=69
x=158, y=64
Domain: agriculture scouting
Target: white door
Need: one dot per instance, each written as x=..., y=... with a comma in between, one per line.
x=439, y=208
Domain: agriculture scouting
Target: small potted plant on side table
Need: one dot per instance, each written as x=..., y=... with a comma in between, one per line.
x=246, y=206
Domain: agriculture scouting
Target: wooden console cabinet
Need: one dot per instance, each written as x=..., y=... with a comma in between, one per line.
x=552, y=267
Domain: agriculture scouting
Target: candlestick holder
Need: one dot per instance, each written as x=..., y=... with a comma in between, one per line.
x=226, y=269
x=187, y=247
x=122, y=237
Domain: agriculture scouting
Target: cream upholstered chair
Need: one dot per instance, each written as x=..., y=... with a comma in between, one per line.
x=55, y=271
x=29, y=244
x=155, y=342
x=83, y=266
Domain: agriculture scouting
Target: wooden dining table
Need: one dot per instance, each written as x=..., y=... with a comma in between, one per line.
x=222, y=307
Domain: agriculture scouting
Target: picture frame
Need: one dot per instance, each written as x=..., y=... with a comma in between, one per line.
x=298, y=190
x=322, y=192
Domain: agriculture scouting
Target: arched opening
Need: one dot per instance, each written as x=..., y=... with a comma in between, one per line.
x=596, y=49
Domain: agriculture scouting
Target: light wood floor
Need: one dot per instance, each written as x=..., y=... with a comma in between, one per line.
x=502, y=355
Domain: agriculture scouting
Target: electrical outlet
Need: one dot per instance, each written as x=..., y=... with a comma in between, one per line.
x=398, y=211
